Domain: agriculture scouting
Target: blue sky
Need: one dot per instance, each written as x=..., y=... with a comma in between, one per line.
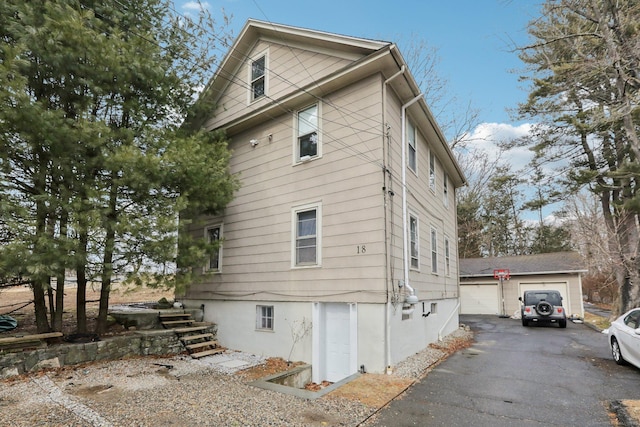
x=474, y=38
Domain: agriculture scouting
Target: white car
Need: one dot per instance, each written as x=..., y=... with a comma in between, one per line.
x=624, y=338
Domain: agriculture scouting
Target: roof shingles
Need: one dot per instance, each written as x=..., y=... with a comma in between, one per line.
x=558, y=262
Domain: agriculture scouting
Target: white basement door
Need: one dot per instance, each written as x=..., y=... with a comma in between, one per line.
x=338, y=342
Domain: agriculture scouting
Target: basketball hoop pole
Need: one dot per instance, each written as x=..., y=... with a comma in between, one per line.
x=504, y=314
x=501, y=274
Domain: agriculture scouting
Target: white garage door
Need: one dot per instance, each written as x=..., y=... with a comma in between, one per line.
x=548, y=286
x=479, y=299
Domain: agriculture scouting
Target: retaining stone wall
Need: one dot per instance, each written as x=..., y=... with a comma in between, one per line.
x=140, y=343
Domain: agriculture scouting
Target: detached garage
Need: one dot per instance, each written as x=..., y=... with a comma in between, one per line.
x=481, y=292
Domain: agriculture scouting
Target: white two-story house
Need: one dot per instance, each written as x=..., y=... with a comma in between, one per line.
x=339, y=249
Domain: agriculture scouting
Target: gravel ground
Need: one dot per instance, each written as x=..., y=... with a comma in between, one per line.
x=180, y=391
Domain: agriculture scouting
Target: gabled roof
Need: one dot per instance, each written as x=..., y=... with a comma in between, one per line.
x=350, y=47
x=552, y=263
x=368, y=56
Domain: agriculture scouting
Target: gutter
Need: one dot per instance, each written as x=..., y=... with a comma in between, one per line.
x=388, y=279
x=405, y=237
x=524, y=273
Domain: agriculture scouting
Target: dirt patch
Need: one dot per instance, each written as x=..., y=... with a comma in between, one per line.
x=599, y=322
x=633, y=410
x=374, y=390
x=273, y=365
x=453, y=345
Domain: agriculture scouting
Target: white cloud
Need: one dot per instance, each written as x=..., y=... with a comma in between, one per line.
x=486, y=137
x=195, y=6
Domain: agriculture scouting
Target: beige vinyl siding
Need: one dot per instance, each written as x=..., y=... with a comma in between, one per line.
x=297, y=67
x=288, y=70
x=346, y=181
x=428, y=206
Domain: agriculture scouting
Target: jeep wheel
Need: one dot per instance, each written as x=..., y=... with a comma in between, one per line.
x=544, y=308
x=615, y=351
x=525, y=322
x=562, y=323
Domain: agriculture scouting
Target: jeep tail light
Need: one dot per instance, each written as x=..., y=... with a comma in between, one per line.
x=559, y=309
x=527, y=309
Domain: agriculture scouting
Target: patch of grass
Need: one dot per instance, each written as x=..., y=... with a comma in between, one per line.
x=598, y=321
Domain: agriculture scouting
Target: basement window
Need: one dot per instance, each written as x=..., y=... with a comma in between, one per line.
x=264, y=317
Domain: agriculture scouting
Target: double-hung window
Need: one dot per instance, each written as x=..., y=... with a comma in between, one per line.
x=434, y=251
x=411, y=146
x=306, y=236
x=307, y=143
x=414, y=242
x=445, y=190
x=264, y=317
x=432, y=170
x=447, y=256
x=258, y=74
x=214, y=235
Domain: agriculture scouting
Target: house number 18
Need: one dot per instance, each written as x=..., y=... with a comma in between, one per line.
x=361, y=249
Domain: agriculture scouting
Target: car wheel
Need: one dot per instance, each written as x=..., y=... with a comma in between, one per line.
x=615, y=351
x=525, y=322
x=562, y=323
x=544, y=308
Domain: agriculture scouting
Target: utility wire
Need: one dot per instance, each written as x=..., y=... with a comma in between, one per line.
x=233, y=79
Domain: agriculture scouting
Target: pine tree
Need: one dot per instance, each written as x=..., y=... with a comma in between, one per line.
x=584, y=62
x=95, y=162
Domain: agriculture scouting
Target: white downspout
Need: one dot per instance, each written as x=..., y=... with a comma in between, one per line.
x=388, y=304
x=405, y=237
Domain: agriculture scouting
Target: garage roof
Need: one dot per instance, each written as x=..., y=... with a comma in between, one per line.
x=552, y=263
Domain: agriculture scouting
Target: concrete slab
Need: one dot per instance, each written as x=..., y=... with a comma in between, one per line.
x=217, y=359
x=233, y=363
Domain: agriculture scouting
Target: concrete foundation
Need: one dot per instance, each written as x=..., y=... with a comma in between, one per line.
x=292, y=382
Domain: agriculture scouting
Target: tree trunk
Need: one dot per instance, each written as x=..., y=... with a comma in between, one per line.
x=40, y=281
x=81, y=274
x=103, y=310
x=628, y=274
x=52, y=307
x=40, y=308
x=56, y=315
x=107, y=263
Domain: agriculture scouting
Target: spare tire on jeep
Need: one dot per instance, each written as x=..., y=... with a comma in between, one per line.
x=544, y=308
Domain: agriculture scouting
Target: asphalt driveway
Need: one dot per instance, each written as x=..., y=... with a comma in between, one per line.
x=517, y=376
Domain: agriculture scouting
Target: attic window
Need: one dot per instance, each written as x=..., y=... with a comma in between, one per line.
x=258, y=78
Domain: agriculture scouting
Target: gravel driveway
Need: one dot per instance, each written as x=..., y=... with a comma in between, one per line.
x=179, y=391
